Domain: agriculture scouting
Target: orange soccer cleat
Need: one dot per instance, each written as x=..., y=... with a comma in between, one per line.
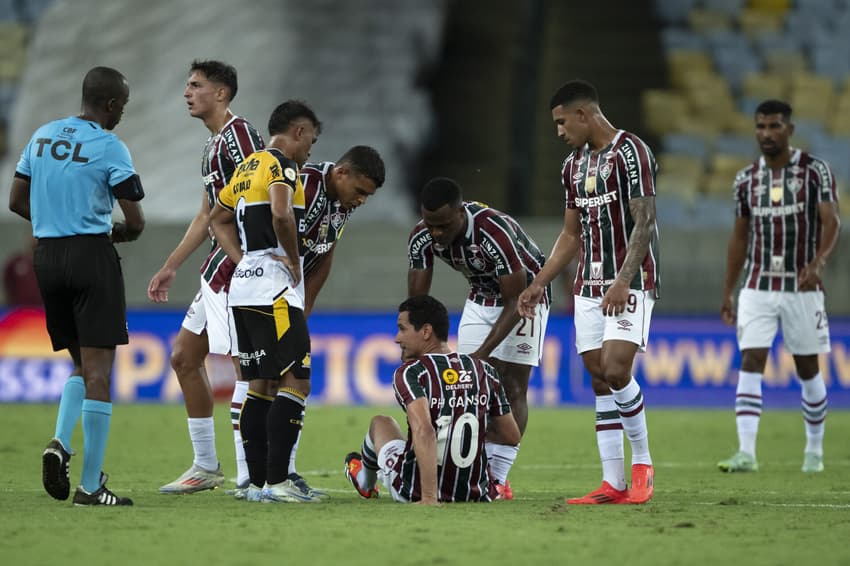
x=604, y=494
x=643, y=476
x=353, y=464
x=504, y=491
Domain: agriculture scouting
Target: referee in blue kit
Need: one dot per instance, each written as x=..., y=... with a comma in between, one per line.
x=66, y=183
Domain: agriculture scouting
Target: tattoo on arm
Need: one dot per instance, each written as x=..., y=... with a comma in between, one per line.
x=643, y=214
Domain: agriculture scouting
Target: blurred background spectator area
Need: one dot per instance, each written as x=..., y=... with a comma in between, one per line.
x=723, y=57
x=456, y=88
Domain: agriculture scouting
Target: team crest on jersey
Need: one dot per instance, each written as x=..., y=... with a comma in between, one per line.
x=605, y=170
x=596, y=270
x=590, y=185
x=337, y=219
x=450, y=376
x=795, y=184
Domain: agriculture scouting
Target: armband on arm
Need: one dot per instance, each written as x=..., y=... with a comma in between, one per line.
x=129, y=189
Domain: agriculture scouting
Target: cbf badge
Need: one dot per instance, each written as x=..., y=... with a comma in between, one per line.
x=590, y=185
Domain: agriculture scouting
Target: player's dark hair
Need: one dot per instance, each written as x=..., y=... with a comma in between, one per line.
x=366, y=161
x=574, y=91
x=101, y=84
x=440, y=191
x=774, y=106
x=425, y=309
x=288, y=112
x=217, y=72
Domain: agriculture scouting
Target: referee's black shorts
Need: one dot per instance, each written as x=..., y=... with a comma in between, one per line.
x=273, y=340
x=83, y=290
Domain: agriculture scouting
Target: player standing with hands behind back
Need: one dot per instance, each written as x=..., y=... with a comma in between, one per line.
x=610, y=220
x=786, y=227
x=66, y=183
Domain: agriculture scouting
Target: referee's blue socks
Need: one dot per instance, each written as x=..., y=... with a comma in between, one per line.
x=96, y=417
x=70, y=407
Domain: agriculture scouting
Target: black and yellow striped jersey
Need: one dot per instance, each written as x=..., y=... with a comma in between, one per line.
x=259, y=279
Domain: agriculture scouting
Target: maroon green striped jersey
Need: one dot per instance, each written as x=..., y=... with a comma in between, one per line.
x=600, y=185
x=494, y=245
x=785, y=228
x=463, y=393
x=325, y=218
x=223, y=153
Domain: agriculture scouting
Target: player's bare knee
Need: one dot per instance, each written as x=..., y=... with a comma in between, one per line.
x=754, y=360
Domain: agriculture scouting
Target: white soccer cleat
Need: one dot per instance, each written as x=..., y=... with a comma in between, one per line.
x=286, y=492
x=194, y=479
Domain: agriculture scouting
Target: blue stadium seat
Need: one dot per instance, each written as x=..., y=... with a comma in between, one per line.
x=729, y=7
x=686, y=144
x=680, y=38
x=733, y=144
x=673, y=11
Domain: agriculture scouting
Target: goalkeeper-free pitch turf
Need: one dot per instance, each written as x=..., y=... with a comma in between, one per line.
x=698, y=516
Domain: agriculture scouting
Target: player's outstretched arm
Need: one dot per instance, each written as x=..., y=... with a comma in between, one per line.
x=510, y=287
x=196, y=234
x=563, y=251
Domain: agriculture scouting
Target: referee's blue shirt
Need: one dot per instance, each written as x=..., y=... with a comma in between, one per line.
x=72, y=165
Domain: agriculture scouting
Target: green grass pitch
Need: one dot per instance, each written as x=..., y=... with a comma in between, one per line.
x=698, y=516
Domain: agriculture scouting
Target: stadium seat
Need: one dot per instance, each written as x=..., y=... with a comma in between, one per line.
x=763, y=85
x=780, y=7
x=734, y=144
x=728, y=164
x=661, y=108
x=708, y=20
x=685, y=144
x=673, y=11
x=756, y=22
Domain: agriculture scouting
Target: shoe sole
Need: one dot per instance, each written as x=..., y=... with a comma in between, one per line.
x=187, y=490
x=53, y=476
x=640, y=501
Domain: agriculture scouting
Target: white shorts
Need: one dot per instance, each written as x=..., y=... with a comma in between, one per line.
x=805, y=328
x=389, y=456
x=209, y=312
x=593, y=328
x=523, y=345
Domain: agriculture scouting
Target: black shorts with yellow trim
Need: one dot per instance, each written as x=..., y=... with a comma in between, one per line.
x=273, y=340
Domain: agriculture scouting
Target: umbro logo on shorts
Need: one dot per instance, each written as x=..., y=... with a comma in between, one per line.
x=624, y=325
